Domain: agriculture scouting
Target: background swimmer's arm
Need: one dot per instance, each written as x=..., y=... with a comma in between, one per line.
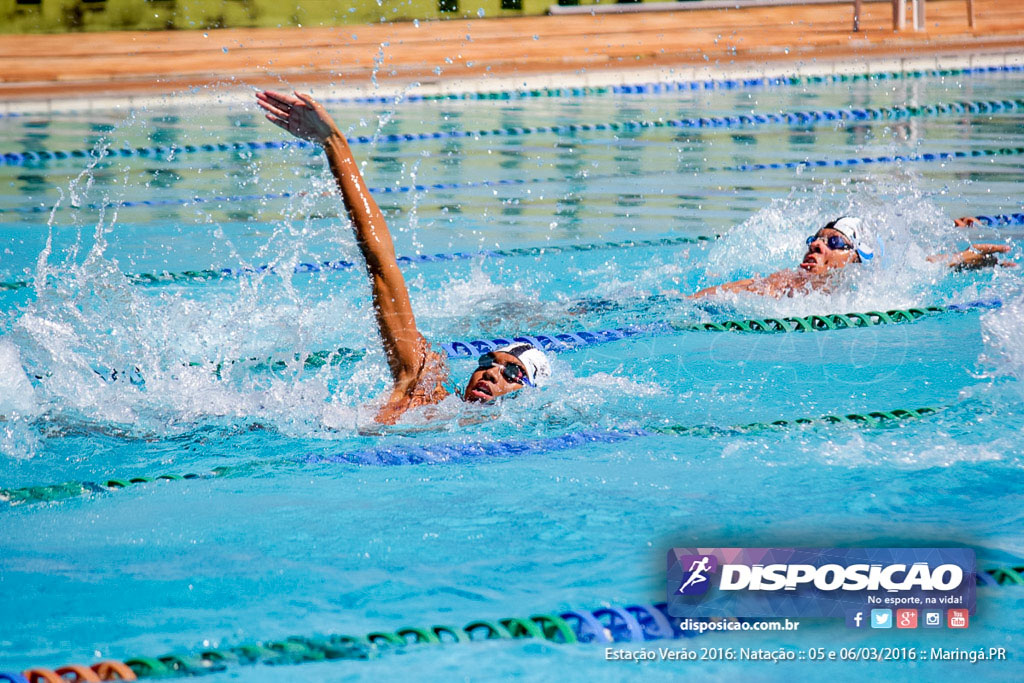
x=978, y=256
x=966, y=222
x=305, y=118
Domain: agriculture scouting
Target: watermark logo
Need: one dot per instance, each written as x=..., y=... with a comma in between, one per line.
x=821, y=582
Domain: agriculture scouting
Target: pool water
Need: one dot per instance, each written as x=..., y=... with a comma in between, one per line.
x=304, y=536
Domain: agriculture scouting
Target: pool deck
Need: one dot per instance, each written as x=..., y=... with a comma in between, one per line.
x=495, y=54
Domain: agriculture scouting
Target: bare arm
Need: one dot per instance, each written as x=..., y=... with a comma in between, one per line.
x=978, y=256
x=748, y=285
x=778, y=284
x=305, y=118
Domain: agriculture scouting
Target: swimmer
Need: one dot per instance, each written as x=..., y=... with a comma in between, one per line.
x=838, y=244
x=419, y=373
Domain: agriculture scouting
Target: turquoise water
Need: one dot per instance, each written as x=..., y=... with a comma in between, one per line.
x=303, y=538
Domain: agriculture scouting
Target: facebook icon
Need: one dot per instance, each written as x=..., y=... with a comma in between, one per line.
x=855, y=618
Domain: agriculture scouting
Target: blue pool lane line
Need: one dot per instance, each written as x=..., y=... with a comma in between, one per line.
x=799, y=118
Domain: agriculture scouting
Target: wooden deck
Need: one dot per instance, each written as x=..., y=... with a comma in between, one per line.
x=131, y=63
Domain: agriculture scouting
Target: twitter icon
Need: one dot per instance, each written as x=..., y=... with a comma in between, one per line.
x=881, y=618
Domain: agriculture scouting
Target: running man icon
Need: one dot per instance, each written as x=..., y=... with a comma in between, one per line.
x=698, y=570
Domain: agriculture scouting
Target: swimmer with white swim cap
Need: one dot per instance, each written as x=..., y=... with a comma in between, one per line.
x=419, y=373
x=838, y=244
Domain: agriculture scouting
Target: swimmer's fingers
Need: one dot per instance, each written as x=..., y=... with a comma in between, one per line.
x=966, y=222
x=278, y=110
x=277, y=99
x=1008, y=264
x=271, y=106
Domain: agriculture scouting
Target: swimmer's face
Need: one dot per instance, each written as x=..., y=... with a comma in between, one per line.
x=820, y=258
x=488, y=383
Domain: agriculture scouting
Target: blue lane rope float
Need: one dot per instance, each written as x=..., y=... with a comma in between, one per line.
x=208, y=274
x=801, y=118
x=637, y=623
x=388, y=456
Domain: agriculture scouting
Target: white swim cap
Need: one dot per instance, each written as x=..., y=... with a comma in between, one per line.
x=538, y=367
x=852, y=228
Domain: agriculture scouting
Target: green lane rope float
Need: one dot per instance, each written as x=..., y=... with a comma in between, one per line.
x=210, y=274
x=854, y=114
x=456, y=452
x=637, y=623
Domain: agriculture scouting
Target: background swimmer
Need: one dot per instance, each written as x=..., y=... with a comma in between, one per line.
x=419, y=373
x=838, y=244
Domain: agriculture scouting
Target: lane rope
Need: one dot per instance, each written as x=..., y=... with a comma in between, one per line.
x=636, y=623
x=636, y=88
x=213, y=274
x=801, y=118
x=463, y=451
x=812, y=323
x=513, y=182
x=573, y=341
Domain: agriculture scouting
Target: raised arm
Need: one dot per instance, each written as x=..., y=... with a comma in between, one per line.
x=404, y=346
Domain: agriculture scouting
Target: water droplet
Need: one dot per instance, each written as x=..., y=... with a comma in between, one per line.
x=480, y=12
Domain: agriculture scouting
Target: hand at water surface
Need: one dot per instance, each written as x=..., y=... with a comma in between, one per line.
x=299, y=114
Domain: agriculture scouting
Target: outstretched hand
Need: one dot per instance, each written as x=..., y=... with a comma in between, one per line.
x=981, y=256
x=299, y=114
